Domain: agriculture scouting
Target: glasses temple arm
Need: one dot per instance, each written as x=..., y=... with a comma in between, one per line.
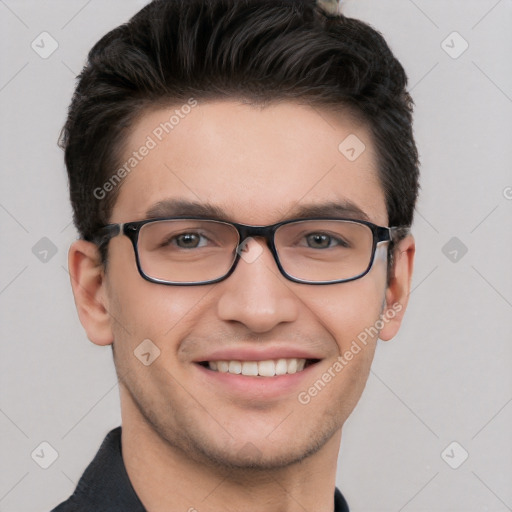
x=104, y=234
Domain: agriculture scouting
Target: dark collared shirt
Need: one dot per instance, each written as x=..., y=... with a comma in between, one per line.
x=105, y=486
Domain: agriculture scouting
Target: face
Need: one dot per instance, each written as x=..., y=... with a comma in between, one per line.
x=259, y=167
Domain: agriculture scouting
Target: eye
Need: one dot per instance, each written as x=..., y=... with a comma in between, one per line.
x=323, y=241
x=186, y=241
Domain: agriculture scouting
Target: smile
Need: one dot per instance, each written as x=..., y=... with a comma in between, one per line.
x=268, y=368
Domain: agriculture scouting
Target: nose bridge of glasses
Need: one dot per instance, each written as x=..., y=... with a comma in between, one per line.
x=247, y=232
x=249, y=247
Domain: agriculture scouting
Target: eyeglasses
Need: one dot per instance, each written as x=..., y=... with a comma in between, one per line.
x=195, y=251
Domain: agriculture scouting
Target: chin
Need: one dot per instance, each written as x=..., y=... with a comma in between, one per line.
x=251, y=458
x=255, y=451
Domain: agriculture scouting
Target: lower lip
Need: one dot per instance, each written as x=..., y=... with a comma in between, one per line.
x=256, y=387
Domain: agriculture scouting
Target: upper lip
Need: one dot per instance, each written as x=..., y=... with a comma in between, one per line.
x=257, y=354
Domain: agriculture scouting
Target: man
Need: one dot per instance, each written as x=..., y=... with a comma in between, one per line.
x=243, y=176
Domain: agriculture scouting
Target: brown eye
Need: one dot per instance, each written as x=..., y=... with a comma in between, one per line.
x=188, y=240
x=323, y=241
x=319, y=241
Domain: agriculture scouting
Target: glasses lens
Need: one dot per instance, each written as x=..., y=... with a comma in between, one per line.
x=186, y=251
x=325, y=250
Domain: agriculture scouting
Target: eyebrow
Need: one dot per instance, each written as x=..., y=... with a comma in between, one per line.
x=183, y=208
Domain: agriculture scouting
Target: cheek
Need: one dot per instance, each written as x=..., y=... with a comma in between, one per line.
x=347, y=309
x=349, y=312
x=143, y=310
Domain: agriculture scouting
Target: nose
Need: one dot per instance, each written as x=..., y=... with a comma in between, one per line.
x=256, y=294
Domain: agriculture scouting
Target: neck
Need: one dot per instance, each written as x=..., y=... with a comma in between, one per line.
x=167, y=478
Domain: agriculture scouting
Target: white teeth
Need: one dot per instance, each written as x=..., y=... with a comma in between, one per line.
x=268, y=368
x=281, y=367
x=250, y=368
x=292, y=366
x=235, y=367
x=223, y=366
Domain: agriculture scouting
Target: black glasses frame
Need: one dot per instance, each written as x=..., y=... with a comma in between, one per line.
x=132, y=230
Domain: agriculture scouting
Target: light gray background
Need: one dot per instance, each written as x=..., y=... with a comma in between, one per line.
x=446, y=377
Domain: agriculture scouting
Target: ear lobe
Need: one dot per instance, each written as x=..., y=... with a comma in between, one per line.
x=88, y=284
x=399, y=288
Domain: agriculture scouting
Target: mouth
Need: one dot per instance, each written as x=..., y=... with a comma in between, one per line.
x=267, y=368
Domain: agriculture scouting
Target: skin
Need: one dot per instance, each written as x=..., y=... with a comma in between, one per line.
x=189, y=442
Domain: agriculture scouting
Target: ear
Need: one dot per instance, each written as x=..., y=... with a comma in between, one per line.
x=399, y=287
x=89, y=289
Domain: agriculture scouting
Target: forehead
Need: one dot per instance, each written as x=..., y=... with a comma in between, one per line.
x=251, y=164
